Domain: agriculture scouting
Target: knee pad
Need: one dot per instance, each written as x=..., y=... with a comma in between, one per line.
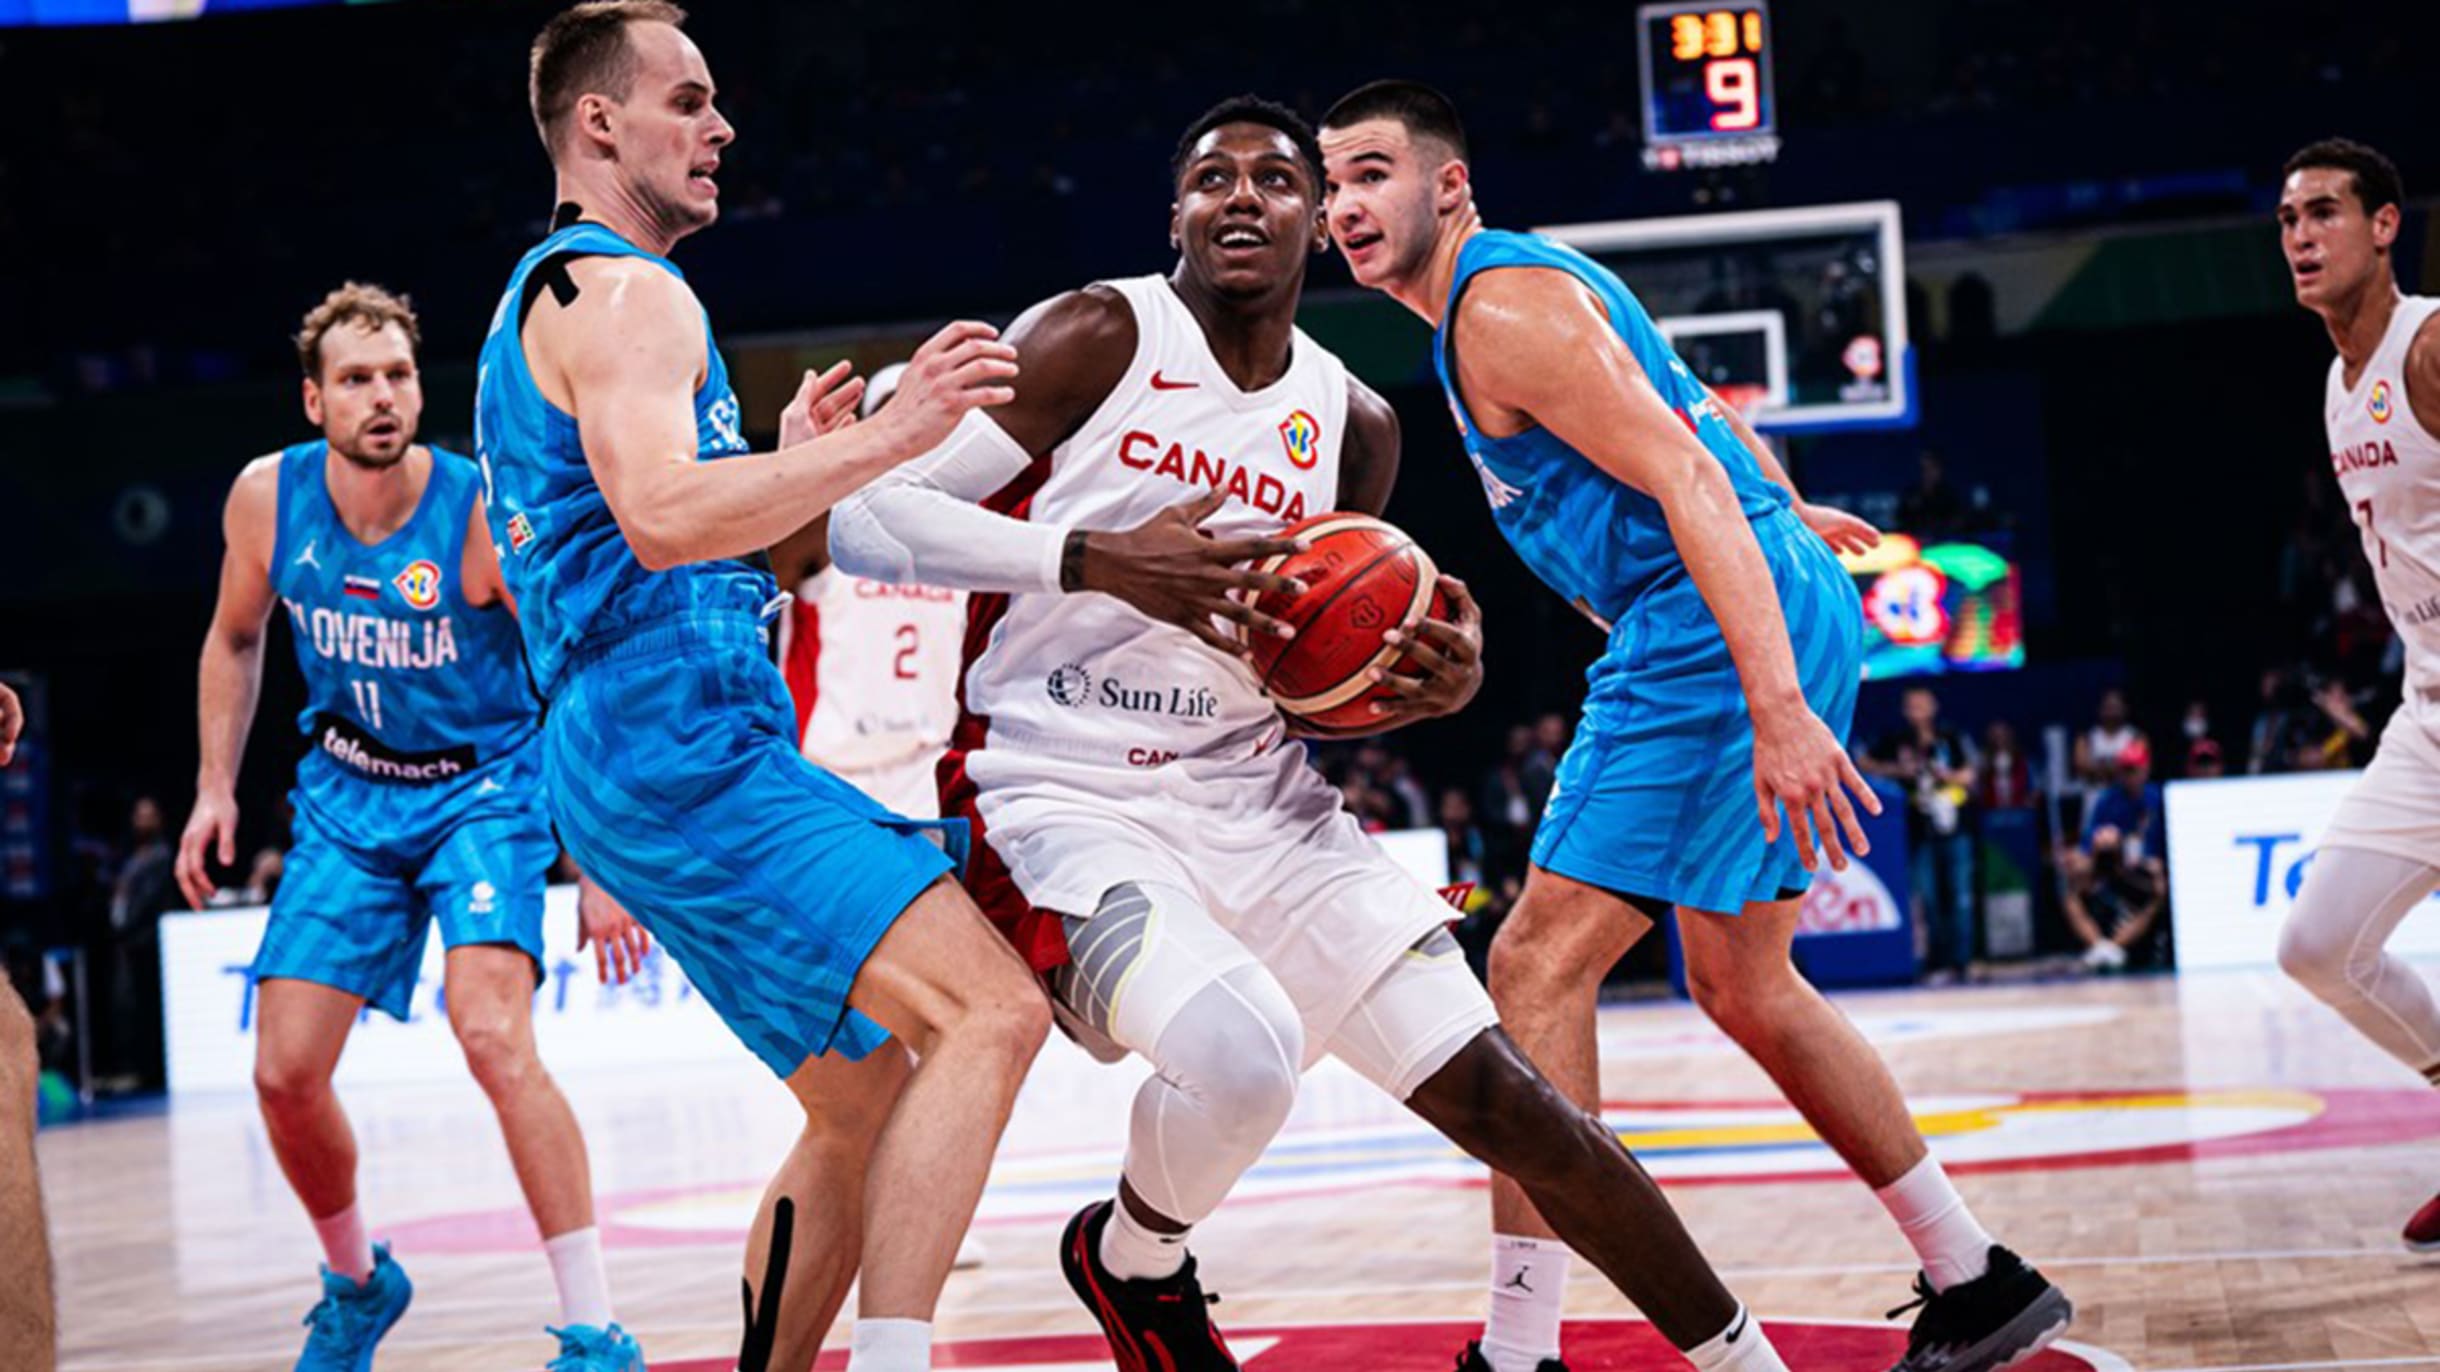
x=1236, y=1048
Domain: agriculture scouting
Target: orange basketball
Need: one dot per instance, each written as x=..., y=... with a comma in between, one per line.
x=1363, y=577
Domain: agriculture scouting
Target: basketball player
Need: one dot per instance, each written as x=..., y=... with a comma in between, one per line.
x=1193, y=887
x=622, y=493
x=420, y=801
x=1721, y=701
x=2338, y=225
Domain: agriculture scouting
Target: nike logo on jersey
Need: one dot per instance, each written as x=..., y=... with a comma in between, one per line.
x=1162, y=383
x=306, y=558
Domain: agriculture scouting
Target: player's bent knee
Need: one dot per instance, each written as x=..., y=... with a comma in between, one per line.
x=2312, y=959
x=1237, y=1048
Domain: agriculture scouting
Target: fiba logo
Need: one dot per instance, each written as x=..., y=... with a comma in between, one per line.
x=1069, y=684
x=2379, y=405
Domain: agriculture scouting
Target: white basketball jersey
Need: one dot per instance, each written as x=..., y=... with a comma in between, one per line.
x=1090, y=677
x=873, y=669
x=2388, y=467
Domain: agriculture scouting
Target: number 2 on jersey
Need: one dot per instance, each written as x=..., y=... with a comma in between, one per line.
x=903, y=666
x=2365, y=508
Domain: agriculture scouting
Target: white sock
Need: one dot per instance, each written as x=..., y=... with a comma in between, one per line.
x=1133, y=1252
x=1528, y=1298
x=1952, y=1244
x=891, y=1346
x=1741, y=1347
x=345, y=1248
x=584, y=1284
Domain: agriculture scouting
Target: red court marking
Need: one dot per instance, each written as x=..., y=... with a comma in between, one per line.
x=1592, y=1346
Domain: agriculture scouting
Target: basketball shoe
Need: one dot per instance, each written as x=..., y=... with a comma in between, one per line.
x=2423, y=1231
x=1472, y=1360
x=591, y=1348
x=351, y=1319
x=2000, y=1317
x=1164, y=1323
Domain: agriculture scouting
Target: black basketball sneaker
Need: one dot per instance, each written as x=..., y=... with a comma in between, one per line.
x=1152, y=1326
x=1472, y=1360
x=2001, y=1317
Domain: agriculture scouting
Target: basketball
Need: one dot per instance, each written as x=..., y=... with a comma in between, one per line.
x=1363, y=577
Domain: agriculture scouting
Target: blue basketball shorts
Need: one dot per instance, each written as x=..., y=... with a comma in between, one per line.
x=364, y=882
x=671, y=765
x=1655, y=797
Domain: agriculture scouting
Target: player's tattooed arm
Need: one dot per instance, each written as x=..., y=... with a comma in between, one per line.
x=1534, y=346
x=230, y=678
x=1844, y=532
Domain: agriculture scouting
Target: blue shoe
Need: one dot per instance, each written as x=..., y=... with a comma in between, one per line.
x=589, y=1348
x=351, y=1319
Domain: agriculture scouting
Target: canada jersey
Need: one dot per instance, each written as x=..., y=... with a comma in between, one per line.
x=1591, y=537
x=872, y=668
x=575, y=577
x=1091, y=677
x=405, y=681
x=2388, y=467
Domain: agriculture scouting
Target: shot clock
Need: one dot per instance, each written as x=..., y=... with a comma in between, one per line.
x=1708, y=100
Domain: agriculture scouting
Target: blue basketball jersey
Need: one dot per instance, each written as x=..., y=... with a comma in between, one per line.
x=574, y=576
x=1594, y=539
x=405, y=681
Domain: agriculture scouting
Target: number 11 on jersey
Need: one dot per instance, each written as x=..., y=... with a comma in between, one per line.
x=368, y=702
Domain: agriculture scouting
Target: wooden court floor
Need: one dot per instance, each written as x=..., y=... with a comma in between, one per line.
x=2213, y=1166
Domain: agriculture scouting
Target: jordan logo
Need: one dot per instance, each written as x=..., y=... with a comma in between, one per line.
x=1517, y=1282
x=306, y=558
x=1162, y=383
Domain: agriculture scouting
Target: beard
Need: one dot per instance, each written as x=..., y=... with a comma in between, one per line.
x=359, y=451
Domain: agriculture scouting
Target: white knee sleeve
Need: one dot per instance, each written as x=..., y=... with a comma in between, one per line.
x=1154, y=971
x=2334, y=943
x=1228, y=1065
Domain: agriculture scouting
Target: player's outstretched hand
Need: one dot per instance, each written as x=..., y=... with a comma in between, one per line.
x=12, y=722
x=1799, y=765
x=619, y=943
x=1845, y=533
x=824, y=403
x=963, y=367
x=1170, y=569
x=1447, y=656
x=211, y=829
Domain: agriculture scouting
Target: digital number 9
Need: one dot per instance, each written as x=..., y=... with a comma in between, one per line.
x=1732, y=86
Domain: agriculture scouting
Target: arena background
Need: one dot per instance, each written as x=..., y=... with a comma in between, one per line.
x=2111, y=373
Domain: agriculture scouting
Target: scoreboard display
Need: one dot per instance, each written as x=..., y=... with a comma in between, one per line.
x=1708, y=99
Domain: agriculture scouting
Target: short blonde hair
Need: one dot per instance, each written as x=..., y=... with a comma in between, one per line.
x=366, y=306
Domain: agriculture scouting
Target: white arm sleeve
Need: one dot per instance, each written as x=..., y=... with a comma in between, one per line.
x=922, y=523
